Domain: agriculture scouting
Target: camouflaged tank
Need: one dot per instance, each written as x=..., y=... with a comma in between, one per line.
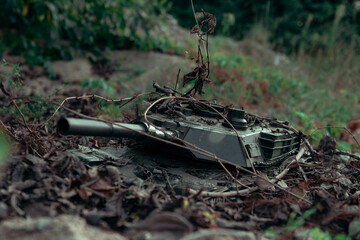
x=200, y=131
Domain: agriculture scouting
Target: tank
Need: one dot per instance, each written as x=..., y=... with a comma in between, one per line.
x=201, y=131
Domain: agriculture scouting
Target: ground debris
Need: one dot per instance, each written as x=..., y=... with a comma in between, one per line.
x=141, y=195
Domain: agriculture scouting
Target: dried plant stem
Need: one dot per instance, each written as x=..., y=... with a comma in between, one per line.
x=223, y=194
x=347, y=154
x=168, y=184
x=177, y=79
x=21, y=114
x=193, y=9
x=297, y=158
x=207, y=55
x=8, y=131
x=126, y=100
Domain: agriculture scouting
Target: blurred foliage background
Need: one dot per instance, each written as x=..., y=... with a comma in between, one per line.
x=59, y=29
x=62, y=27
x=292, y=26
x=293, y=59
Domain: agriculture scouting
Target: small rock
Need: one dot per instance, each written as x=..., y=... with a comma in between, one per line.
x=344, y=181
x=61, y=227
x=212, y=234
x=157, y=171
x=75, y=70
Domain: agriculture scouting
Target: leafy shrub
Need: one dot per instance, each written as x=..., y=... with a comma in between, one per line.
x=57, y=29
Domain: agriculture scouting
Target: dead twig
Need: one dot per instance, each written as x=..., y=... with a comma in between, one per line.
x=297, y=158
x=127, y=100
x=91, y=182
x=193, y=9
x=223, y=194
x=8, y=131
x=245, y=192
x=286, y=170
x=14, y=202
x=177, y=79
x=347, y=154
x=236, y=177
x=168, y=184
x=21, y=114
x=309, y=147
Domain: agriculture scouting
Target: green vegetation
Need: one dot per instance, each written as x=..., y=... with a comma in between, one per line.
x=296, y=225
x=47, y=30
x=5, y=147
x=272, y=91
x=10, y=74
x=100, y=84
x=296, y=25
x=296, y=222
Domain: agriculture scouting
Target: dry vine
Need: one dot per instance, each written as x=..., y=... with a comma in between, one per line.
x=202, y=71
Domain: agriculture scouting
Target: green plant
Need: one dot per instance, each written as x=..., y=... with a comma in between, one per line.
x=354, y=229
x=270, y=234
x=46, y=30
x=10, y=77
x=295, y=221
x=317, y=234
x=5, y=147
x=101, y=84
x=138, y=70
x=11, y=83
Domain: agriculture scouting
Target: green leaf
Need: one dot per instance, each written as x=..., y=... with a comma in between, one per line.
x=5, y=148
x=344, y=146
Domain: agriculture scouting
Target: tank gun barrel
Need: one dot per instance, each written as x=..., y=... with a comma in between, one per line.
x=87, y=127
